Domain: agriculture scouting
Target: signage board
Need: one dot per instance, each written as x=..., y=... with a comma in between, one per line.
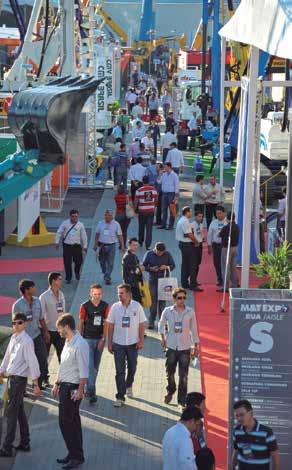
x=261, y=361
x=185, y=76
x=28, y=210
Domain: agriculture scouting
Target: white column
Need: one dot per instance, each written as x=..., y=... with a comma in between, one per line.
x=222, y=107
x=248, y=184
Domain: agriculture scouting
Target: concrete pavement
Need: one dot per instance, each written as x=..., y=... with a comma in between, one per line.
x=126, y=438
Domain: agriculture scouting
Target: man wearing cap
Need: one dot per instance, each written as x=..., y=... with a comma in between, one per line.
x=108, y=234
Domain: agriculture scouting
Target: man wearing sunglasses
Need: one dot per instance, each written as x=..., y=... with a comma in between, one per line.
x=180, y=342
x=19, y=363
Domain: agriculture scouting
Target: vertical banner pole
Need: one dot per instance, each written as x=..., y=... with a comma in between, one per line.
x=222, y=108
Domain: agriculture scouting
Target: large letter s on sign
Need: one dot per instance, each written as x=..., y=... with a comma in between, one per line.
x=263, y=342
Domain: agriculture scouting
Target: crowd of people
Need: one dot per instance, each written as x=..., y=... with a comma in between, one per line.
x=42, y=322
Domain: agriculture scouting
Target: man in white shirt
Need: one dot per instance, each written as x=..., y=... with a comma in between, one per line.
x=186, y=243
x=177, y=445
x=197, y=229
x=130, y=99
x=214, y=241
x=136, y=174
x=148, y=142
x=175, y=157
x=216, y=195
x=138, y=130
x=199, y=195
x=166, y=103
x=167, y=139
x=72, y=235
x=108, y=234
x=126, y=325
x=70, y=384
x=193, y=126
x=53, y=305
x=19, y=363
x=181, y=342
x=137, y=111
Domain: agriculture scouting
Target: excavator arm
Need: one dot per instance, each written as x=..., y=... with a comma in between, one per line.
x=43, y=119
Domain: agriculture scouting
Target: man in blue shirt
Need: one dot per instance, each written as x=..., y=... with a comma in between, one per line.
x=170, y=195
x=156, y=263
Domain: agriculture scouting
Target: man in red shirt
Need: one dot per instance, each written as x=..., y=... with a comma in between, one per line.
x=145, y=203
x=92, y=327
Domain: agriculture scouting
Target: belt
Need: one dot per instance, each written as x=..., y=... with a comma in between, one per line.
x=68, y=384
x=73, y=244
x=108, y=243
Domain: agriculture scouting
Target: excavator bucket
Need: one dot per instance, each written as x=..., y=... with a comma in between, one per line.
x=47, y=117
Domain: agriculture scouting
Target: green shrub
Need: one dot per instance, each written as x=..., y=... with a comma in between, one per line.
x=275, y=267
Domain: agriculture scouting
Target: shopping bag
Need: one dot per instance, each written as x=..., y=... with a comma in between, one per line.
x=130, y=213
x=145, y=294
x=172, y=207
x=165, y=288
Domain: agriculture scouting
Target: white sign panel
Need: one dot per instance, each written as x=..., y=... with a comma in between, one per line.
x=28, y=210
x=109, y=75
x=101, y=93
x=185, y=76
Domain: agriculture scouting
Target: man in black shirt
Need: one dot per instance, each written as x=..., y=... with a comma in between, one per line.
x=158, y=263
x=132, y=270
x=255, y=445
x=232, y=230
x=92, y=327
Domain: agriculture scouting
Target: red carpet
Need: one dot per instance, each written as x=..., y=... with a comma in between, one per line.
x=214, y=337
x=6, y=304
x=33, y=265
x=213, y=328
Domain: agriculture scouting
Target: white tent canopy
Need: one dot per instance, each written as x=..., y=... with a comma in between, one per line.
x=266, y=24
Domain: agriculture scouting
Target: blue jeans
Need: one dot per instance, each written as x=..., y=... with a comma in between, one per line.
x=94, y=361
x=106, y=259
x=125, y=355
x=121, y=176
x=167, y=199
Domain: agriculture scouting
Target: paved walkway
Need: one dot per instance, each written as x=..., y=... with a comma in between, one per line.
x=125, y=438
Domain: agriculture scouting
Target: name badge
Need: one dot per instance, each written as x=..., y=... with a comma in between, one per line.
x=178, y=327
x=29, y=315
x=106, y=232
x=125, y=322
x=59, y=307
x=97, y=320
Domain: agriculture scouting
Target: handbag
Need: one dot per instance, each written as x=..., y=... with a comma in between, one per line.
x=144, y=290
x=165, y=287
x=129, y=211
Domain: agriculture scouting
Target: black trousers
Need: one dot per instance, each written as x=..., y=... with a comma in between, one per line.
x=136, y=293
x=70, y=422
x=58, y=343
x=210, y=213
x=145, y=223
x=41, y=353
x=15, y=412
x=159, y=208
x=198, y=252
x=216, y=249
x=164, y=154
x=72, y=253
x=187, y=264
x=182, y=358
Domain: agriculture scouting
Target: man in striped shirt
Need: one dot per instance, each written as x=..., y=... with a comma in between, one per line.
x=145, y=202
x=255, y=445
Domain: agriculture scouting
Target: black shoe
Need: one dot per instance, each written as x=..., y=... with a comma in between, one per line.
x=108, y=282
x=170, y=228
x=93, y=399
x=162, y=227
x=77, y=277
x=148, y=248
x=73, y=463
x=168, y=398
x=219, y=283
x=23, y=447
x=5, y=453
x=222, y=290
x=68, y=281
x=64, y=460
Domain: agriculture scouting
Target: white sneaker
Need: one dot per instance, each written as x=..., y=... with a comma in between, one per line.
x=129, y=392
x=119, y=403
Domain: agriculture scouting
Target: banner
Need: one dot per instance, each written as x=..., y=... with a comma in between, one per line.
x=101, y=93
x=28, y=210
x=261, y=361
x=109, y=75
x=239, y=193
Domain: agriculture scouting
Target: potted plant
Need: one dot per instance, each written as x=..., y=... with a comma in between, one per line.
x=275, y=267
